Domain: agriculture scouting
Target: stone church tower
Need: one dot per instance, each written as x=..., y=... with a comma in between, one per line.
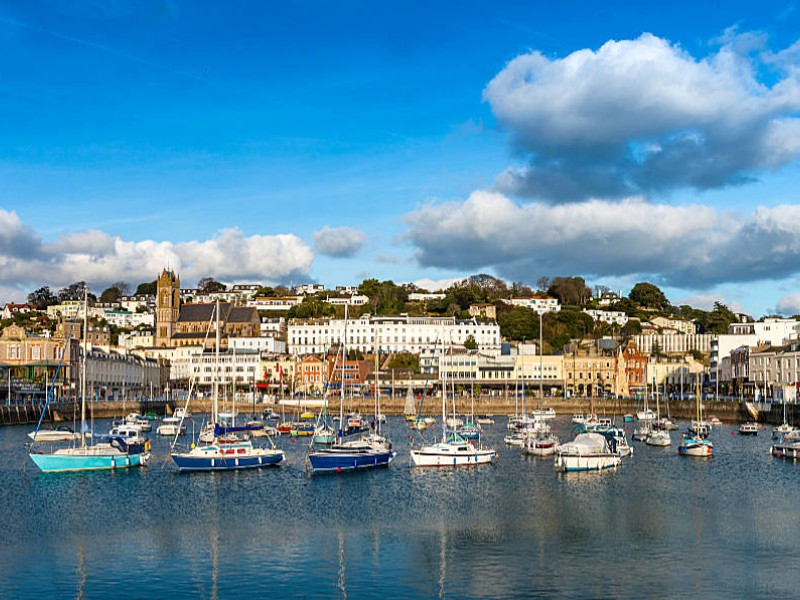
x=168, y=303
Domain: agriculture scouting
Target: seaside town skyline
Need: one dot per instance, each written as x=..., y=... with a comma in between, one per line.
x=310, y=143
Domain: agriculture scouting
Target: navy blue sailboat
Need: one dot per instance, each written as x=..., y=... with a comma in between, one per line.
x=364, y=453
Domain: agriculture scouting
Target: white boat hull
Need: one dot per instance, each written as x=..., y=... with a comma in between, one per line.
x=441, y=455
x=586, y=462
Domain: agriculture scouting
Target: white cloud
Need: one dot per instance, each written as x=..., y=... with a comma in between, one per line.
x=789, y=305
x=338, y=242
x=436, y=285
x=691, y=246
x=644, y=115
x=100, y=259
x=706, y=302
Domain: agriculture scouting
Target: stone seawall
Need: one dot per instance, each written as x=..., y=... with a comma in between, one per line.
x=732, y=412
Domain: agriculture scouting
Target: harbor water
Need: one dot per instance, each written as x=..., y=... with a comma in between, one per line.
x=658, y=526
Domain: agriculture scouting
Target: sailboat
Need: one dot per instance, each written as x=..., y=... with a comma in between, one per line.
x=409, y=409
x=324, y=434
x=349, y=455
x=647, y=417
x=227, y=451
x=658, y=437
x=453, y=450
x=693, y=443
x=114, y=453
x=545, y=442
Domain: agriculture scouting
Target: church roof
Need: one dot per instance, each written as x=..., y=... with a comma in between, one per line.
x=190, y=313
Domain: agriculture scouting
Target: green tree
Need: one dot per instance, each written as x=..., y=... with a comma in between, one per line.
x=470, y=343
x=631, y=328
x=113, y=293
x=570, y=290
x=648, y=295
x=369, y=287
x=147, y=289
x=518, y=323
x=405, y=361
x=74, y=291
x=720, y=318
x=42, y=298
x=311, y=308
x=209, y=284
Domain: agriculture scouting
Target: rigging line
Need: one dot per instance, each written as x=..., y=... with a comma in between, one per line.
x=192, y=383
x=55, y=377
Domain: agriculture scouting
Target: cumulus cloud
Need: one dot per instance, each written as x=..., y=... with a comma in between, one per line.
x=692, y=246
x=707, y=301
x=789, y=305
x=338, y=242
x=26, y=262
x=643, y=115
x=436, y=285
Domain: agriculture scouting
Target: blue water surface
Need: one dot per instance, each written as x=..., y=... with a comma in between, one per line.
x=659, y=526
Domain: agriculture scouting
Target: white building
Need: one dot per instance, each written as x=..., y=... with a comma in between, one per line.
x=424, y=296
x=257, y=344
x=674, y=344
x=356, y=300
x=140, y=338
x=612, y=317
x=309, y=289
x=112, y=374
x=275, y=302
x=137, y=303
x=772, y=330
x=129, y=320
x=272, y=327
x=426, y=336
x=539, y=305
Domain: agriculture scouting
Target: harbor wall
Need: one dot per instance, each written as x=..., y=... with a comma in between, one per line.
x=728, y=411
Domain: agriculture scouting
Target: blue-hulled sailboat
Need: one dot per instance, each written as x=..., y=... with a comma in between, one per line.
x=365, y=453
x=227, y=452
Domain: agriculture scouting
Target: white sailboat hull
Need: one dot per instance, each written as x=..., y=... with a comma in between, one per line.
x=452, y=455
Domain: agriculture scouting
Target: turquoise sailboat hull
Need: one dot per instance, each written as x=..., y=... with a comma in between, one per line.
x=55, y=463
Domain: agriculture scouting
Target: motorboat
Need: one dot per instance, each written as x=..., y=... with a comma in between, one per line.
x=140, y=420
x=627, y=418
x=646, y=415
x=578, y=419
x=484, y=420
x=171, y=426
x=788, y=446
x=544, y=413
x=777, y=432
x=748, y=428
x=587, y=452
x=181, y=413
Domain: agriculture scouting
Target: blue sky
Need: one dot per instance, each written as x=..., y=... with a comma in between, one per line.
x=299, y=141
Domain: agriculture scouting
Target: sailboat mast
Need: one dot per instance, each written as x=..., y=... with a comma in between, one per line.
x=377, y=386
x=344, y=360
x=83, y=363
x=215, y=400
x=541, y=362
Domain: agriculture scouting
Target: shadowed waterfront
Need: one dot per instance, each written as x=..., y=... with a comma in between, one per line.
x=660, y=525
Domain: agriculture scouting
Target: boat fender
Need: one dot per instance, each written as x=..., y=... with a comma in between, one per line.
x=147, y=446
